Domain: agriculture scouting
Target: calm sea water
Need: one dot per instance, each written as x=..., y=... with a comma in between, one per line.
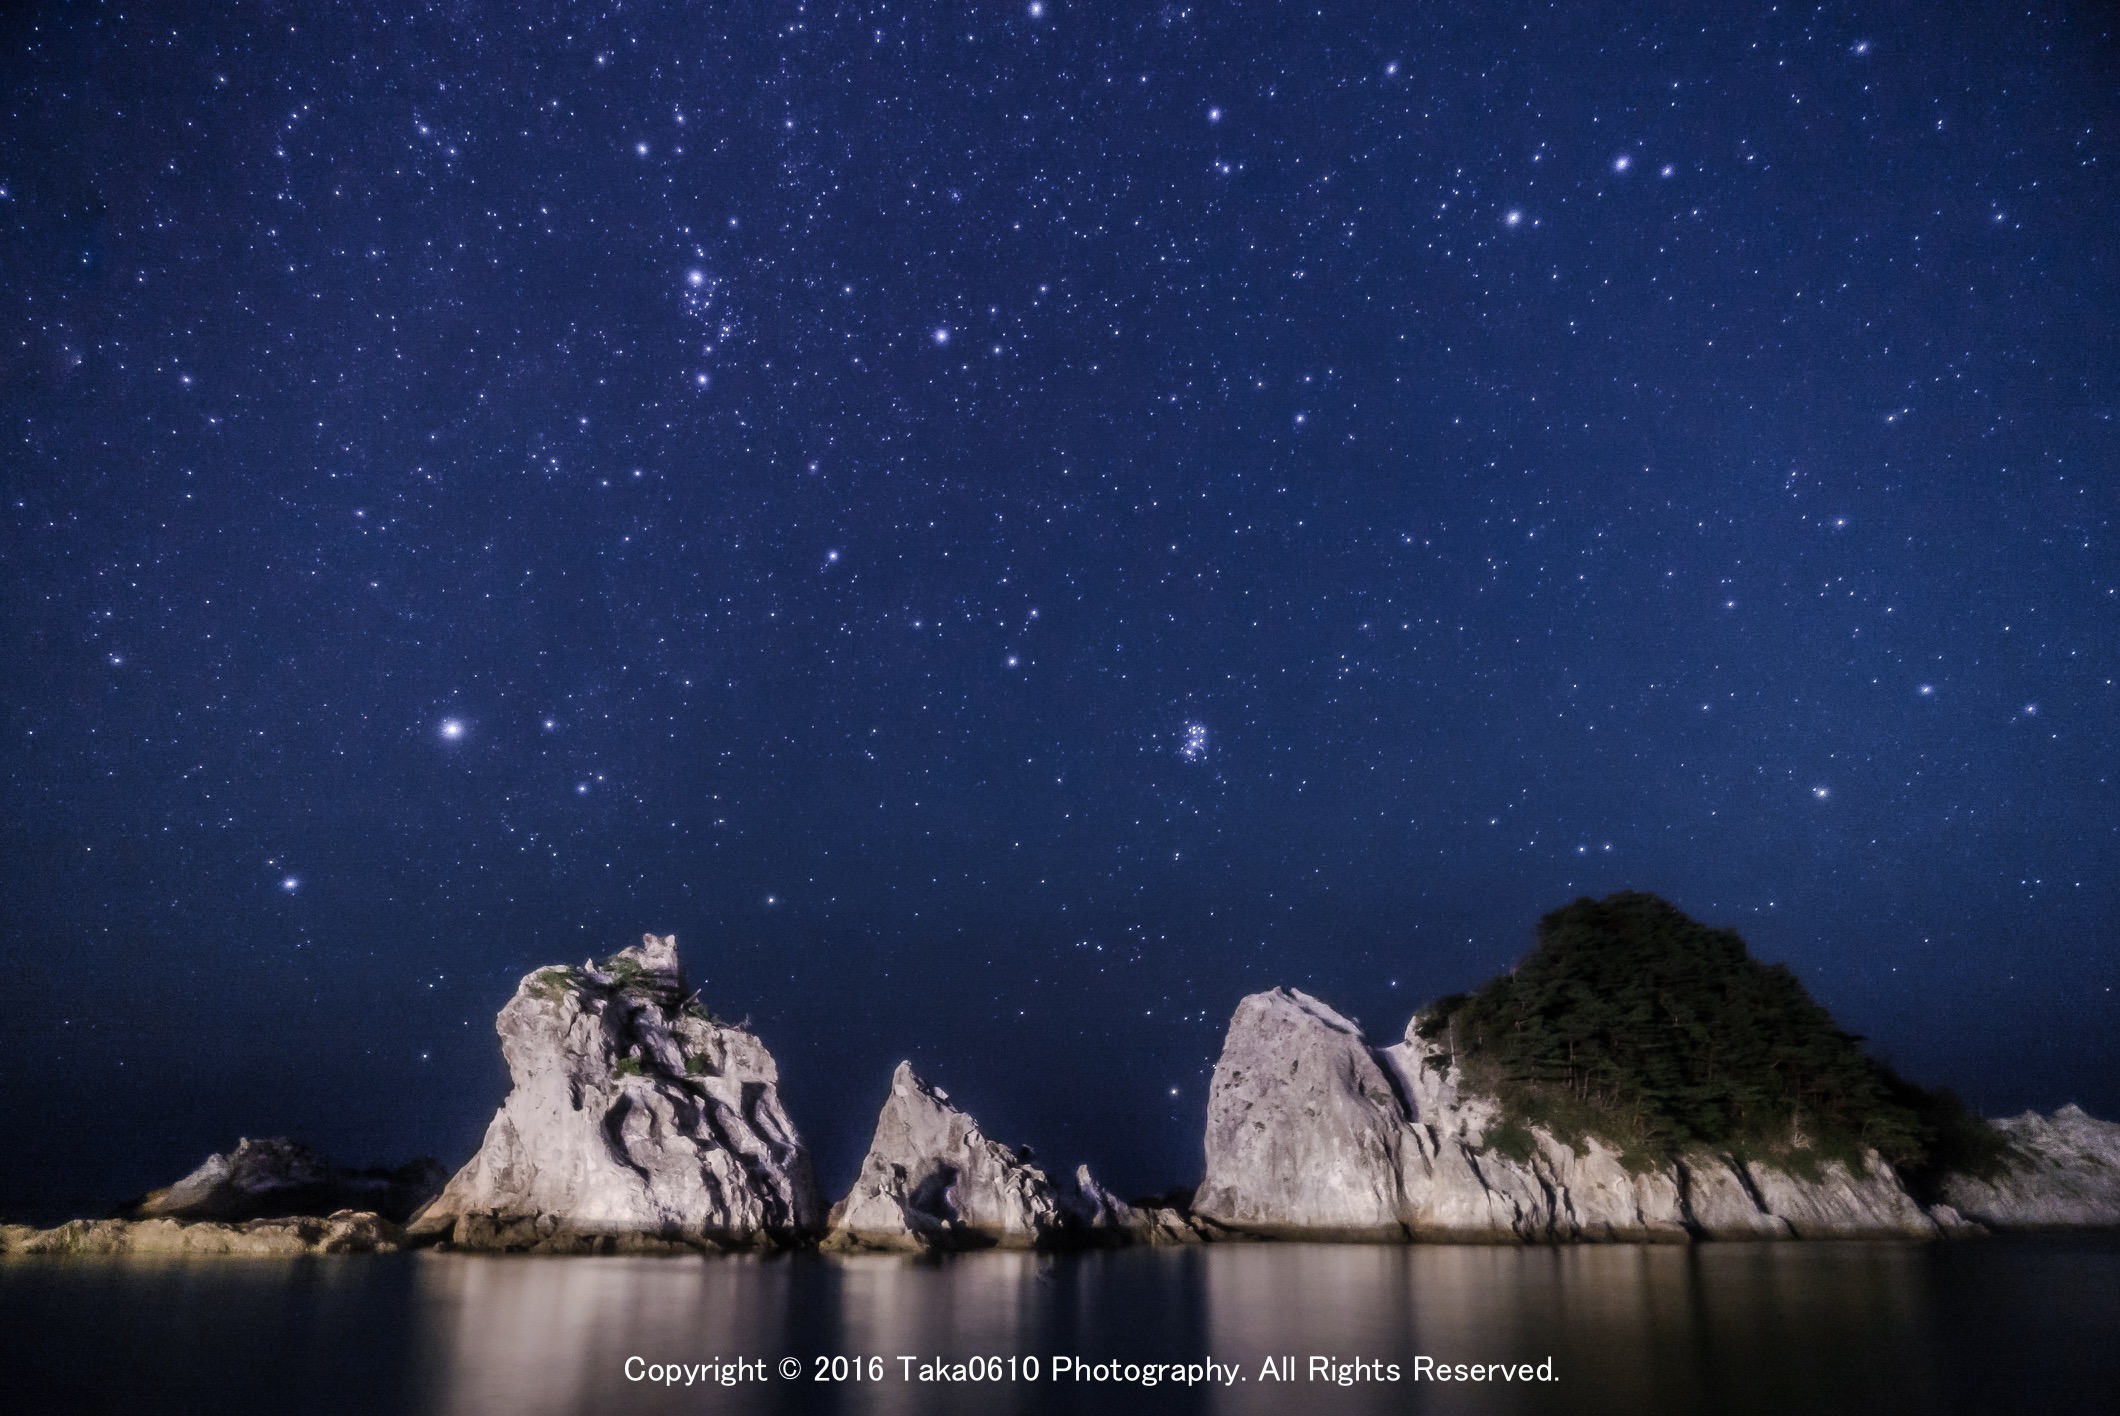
x=1985, y=1326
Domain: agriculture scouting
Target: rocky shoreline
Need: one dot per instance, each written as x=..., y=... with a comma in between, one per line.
x=637, y=1122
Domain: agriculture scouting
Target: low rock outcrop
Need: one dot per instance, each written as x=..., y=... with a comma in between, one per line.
x=1098, y=1218
x=637, y=1121
x=347, y=1232
x=279, y=1178
x=2064, y=1173
x=1312, y=1133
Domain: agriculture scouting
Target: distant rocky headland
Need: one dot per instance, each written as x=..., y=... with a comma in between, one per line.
x=1637, y=1077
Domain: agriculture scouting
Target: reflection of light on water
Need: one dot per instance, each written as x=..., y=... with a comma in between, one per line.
x=978, y=1304
x=538, y=1337
x=1650, y=1328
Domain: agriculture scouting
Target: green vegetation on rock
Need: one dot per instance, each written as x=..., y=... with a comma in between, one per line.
x=1633, y=1023
x=552, y=984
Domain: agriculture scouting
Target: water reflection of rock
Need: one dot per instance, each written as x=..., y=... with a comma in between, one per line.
x=537, y=1337
x=985, y=1305
x=1631, y=1327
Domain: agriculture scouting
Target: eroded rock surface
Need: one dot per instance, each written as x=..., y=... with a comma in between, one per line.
x=2065, y=1174
x=933, y=1179
x=1305, y=1132
x=1312, y=1133
x=347, y=1232
x=637, y=1121
x=278, y=1178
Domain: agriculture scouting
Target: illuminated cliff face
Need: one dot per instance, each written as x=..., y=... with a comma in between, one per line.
x=635, y=1118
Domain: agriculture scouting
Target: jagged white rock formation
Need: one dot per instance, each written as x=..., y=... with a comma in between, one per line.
x=636, y=1121
x=347, y=1232
x=270, y=1179
x=2065, y=1174
x=933, y=1179
x=1312, y=1133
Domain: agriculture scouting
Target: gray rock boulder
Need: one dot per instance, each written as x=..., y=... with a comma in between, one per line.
x=2065, y=1173
x=637, y=1121
x=933, y=1180
x=1312, y=1133
x=278, y=1178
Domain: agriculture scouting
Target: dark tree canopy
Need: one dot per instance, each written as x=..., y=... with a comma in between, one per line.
x=1633, y=1022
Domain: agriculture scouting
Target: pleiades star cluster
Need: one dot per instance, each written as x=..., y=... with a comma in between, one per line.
x=1009, y=526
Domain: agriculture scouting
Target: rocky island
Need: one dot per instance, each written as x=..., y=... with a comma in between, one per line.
x=1636, y=1077
x=271, y=1197
x=636, y=1121
x=932, y=1180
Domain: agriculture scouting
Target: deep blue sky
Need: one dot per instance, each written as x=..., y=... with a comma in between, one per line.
x=1009, y=527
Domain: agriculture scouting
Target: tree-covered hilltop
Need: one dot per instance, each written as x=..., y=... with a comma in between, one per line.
x=1634, y=1023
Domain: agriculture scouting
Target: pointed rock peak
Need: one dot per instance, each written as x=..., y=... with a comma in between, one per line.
x=933, y=1179
x=907, y=1082
x=1295, y=1001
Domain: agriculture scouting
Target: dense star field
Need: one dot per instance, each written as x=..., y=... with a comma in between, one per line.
x=1007, y=527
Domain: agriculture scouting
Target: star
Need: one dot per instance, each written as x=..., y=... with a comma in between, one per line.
x=452, y=730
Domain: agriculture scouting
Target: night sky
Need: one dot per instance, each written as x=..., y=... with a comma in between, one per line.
x=1007, y=527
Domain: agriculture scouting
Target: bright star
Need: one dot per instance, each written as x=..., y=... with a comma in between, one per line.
x=942, y=334
x=1512, y=218
x=1622, y=163
x=1214, y=115
x=291, y=884
x=1820, y=792
x=695, y=278
x=452, y=729
x=1037, y=9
